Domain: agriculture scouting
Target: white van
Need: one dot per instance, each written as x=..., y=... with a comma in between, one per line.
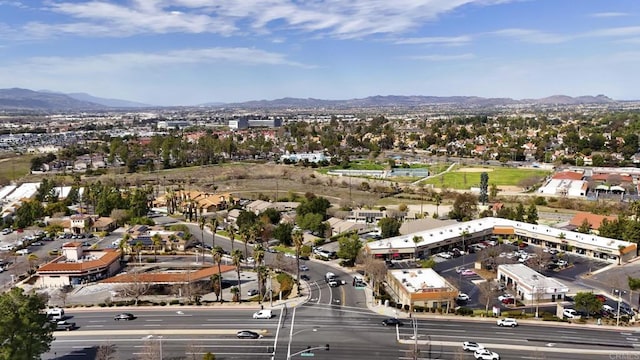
x=263, y=314
x=55, y=313
x=330, y=277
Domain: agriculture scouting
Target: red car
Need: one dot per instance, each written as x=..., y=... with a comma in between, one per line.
x=508, y=301
x=602, y=298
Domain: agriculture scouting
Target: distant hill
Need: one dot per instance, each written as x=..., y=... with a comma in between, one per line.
x=114, y=103
x=414, y=101
x=23, y=99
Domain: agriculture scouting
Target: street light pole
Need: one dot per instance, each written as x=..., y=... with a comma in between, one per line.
x=160, y=340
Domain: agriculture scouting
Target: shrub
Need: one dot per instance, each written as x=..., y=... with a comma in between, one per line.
x=174, y=302
x=163, y=303
x=407, y=307
x=464, y=311
x=102, y=305
x=399, y=306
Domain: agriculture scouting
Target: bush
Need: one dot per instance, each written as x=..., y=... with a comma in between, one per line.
x=174, y=302
x=407, y=307
x=163, y=303
x=418, y=308
x=464, y=311
x=102, y=305
x=399, y=306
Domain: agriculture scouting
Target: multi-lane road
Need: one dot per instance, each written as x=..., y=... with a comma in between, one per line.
x=352, y=333
x=335, y=316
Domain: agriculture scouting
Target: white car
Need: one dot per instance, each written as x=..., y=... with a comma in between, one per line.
x=462, y=297
x=471, y=346
x=445, y=255
x=570, y=314
x=484, y=354
x=23, y=252
x=304, y=267
x=263, y=314
x=507, y=322
x=505, y=296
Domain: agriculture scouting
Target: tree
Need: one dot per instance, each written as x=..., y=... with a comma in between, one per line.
x=282, y=233
x=532, y=214
x=464, y=207
x=484, y=185
x=216, y=280
x=587, y=302
x=298, y=241
x=25, y=331
x=416, y=240
x=232, y=236
x=634, y=284
x=209, y=356
x=585, y=227
x=136, y=288
x=237, y=258
x=493, y=191
x=520, y=212
x=217, y=253
x=389, y=227
x=201, y=223
x=213, y=225
x=349, y=248
x=245, y=236
x=157, y=242
x=437, y=198
x=487, y=294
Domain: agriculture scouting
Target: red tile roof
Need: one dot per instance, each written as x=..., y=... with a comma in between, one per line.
x=58, y=265
x=593, y=219
x=71, y=245
x=568, y=175
x=184, y=277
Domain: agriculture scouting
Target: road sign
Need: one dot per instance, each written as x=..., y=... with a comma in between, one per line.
x=307, y=354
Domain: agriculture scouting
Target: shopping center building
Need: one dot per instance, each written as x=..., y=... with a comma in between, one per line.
x=463, y=234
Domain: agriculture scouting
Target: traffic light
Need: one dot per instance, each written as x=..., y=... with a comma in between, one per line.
x=326, y=347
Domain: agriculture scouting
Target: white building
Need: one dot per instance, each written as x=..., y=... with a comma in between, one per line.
x=529, y=286
x=463, y=234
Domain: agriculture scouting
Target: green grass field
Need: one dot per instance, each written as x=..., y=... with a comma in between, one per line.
x=15, y=167
x=462, y=180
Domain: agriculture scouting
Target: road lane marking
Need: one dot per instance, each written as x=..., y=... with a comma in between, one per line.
x=103, y=321
x=94, y=326
x=152, y=325
x=154, y=320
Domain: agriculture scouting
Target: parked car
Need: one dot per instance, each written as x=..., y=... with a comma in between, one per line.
x=484, y=354
x=462, y=297
x=471, y=346
x=24, y=251
x=253, y=292
x=248, y=334
x=392, y=322
x=468, y=273
x=507, y=322
x=505, y=296
x=570, y=314
x=305, y=277
x=602, y=298
x=508, y=301
x=304, y=267
x=124, y=316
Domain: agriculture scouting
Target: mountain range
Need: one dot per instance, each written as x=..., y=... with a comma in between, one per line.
x=24, y=99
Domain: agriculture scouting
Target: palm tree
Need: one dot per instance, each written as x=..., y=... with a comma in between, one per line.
x=137, y=247
x=217, y=254
x=32, y=258
x=258, y=254
x=298, y=240
x=438, y=199
x=157, y=242
x=416, y=240
x=236, y=293
x=245, y=234
x=216, y=280
x=232, y=236
x=237, y=258
x=263, y=273
x=201, y=222
x=213, y=224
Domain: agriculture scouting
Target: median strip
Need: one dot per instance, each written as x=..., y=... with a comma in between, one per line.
x=154, y=332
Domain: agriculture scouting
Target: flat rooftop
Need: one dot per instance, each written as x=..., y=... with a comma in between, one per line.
x=420, y=280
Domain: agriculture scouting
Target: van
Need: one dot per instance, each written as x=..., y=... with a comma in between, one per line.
x=263, y=314
x=55, y=314
x=330, y=277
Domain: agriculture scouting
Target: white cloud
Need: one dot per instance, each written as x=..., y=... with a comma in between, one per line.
x=442, y=57
x=532, y=36
x=608, y=14
x=615, y=32
x=438, y=40
x=335, y=18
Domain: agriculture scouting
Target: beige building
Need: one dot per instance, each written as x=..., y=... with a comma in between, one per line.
x=76, y=266
x=421, y=287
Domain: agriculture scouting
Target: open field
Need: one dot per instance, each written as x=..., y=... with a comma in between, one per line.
x=15, y=167
x=463, y=178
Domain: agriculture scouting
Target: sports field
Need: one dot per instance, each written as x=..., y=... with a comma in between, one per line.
x=467, y=177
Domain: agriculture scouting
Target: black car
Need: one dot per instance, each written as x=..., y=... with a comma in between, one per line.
x=305, y=277
x=247, y=334
x=392, y=322
x=124, y=316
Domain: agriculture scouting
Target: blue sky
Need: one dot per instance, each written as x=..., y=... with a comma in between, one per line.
x=185, y=52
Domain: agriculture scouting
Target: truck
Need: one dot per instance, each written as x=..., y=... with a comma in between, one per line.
x=65, y=325
x=330, y=277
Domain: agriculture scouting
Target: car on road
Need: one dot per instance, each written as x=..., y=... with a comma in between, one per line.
x=305, y=277
x=570, y=314
x=124, y=316
x=484, y=354
x=253, y=292
x=65, y=325
x=460, y=269
x=507, y=322
x=471, y=346
x=505, y=296
x=37, y=243
x=392, y=322
x=263, y=314
x=333, y=283
x=248, y=334
x=304, y=267
x=462, y=297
